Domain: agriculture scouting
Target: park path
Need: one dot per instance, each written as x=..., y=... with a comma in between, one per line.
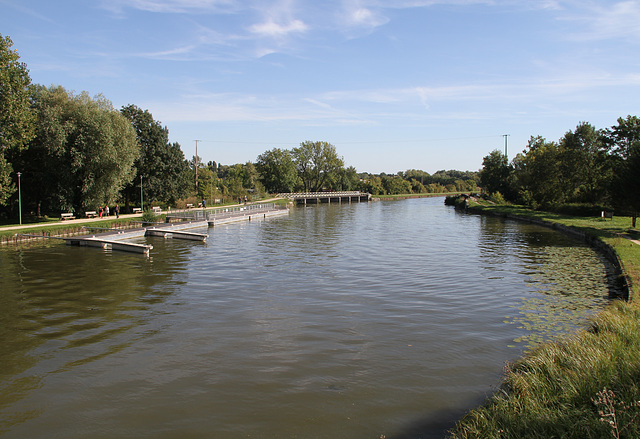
x=106, y=218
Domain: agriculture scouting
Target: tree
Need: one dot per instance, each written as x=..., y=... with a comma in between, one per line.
x=277, y=170
x=583, y=164
x=495, y=173
x=317, y=164
x=347, y=179
x=17, y=119
x=624, y=140
x=537, y=173
x=165, y=174
x=82, y=154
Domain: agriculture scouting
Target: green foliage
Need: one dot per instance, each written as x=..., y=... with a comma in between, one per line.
x=165, y=173
x=277, y=171
x=318, y=165
x=495, y=173
x=17, y=119
x=82, y=154
x=148, y=216
x=599, y=167
x=497, y=198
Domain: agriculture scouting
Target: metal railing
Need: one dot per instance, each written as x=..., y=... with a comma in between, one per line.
x=223, y=212
x=294, y=195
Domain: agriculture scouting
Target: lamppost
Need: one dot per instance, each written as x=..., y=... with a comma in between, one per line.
x=19, y=197
x=141, y=199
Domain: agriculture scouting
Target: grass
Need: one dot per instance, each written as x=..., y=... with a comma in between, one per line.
x=584, y=386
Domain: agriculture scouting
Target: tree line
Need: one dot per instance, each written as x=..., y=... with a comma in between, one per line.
x=76, y=153
x=588, y=169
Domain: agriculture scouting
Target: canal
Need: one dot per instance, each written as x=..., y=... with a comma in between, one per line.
x=336, y=321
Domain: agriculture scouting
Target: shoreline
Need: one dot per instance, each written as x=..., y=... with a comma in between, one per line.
x=571, y=387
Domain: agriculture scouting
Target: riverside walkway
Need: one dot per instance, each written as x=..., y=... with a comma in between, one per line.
x=174, y=227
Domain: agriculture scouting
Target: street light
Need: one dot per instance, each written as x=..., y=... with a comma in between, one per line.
x=19, y=197
x=141, y=199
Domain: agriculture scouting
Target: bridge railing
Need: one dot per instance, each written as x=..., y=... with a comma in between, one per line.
x=206, y=214
x=294, y=195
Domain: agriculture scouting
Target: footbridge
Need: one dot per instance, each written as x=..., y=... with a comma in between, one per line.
x=326, y=197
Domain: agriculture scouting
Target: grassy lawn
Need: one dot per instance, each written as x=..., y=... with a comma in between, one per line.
x=584, y=386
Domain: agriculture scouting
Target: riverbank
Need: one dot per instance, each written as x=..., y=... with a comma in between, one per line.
x=12, y=234
x=583, y=386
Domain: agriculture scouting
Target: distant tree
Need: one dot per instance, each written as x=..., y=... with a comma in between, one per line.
x=417, y=187
x=583, y=169
x=537, y=173
x=495, y=173
x=395, y=185
x=277, y=170
x=165, y=174
x=622, y=139
x=17, y=119
x=624, y=142
x=371, y=184
x=317, y=164
x=347, y=179
x=83, y=152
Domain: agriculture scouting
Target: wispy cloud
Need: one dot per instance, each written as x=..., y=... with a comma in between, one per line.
x=170, y=6
x=278, y=30
x=618, y=21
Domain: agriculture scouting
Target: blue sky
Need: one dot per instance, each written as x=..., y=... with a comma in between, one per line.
x=394, y=85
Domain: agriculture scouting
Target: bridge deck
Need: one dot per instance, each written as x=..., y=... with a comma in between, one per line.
x=326, y=197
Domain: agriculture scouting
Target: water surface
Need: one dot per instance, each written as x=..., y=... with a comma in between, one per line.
x=351, y=321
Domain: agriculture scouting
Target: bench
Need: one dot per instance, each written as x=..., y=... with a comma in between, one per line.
x=156, y=209
x=66, y=216
x=189, y=206
x=91, y=214
x=136, y=210
x=606, y=215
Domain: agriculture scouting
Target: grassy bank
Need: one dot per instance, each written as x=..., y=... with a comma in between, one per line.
x=583, y=386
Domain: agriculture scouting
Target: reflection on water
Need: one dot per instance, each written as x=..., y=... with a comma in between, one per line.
x=355, y=321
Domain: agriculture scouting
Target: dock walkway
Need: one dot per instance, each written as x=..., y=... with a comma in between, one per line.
x=116, y=239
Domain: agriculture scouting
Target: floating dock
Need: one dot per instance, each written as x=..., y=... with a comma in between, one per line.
x=116, y=239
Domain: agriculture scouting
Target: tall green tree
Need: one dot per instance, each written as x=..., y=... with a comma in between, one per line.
x=495, y=174
x=17, y=119
x=161, y=164
x=318, y=164
x=537, y=173
x=83, y=152
x=624, y=141
x=277, y=170
x=583, y=164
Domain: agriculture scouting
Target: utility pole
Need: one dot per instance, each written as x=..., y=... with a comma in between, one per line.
x=141, y=196
x=196, y=166
x=505, y=144
x=19, y=197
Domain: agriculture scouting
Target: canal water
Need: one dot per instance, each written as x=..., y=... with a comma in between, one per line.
x=336, y=321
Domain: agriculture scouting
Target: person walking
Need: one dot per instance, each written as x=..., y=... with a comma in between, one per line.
x=117, y=210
